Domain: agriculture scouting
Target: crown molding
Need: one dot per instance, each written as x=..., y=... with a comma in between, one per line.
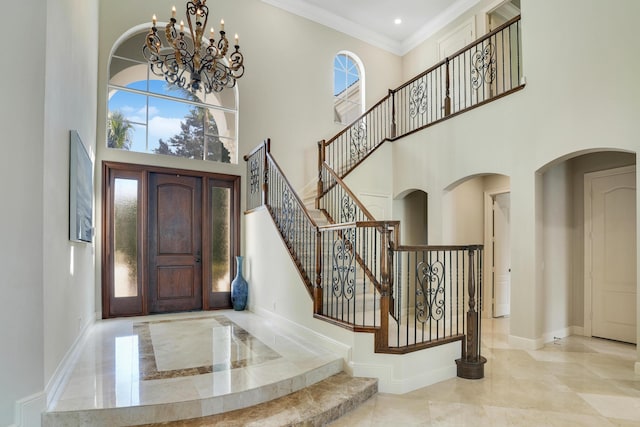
x=362, y=33
x=338, y=23
x=438, y=23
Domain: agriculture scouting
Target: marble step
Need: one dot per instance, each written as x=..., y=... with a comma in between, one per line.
x=159, y=414
x=316, y=405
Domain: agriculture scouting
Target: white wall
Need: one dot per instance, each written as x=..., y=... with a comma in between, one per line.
x=21, y=164
x=70, y=103
x=555, y=117
x=411, y=210
x=463, y=213
x=45, y=306
x=558, y=256
x=372, y=182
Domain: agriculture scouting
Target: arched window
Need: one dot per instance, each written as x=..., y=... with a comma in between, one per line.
x=145, y=114
x=348, y=87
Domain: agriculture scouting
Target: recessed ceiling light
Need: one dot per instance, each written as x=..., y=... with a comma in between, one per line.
x=397, y=21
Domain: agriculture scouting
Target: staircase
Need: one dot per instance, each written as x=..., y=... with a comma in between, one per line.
x=354, y=267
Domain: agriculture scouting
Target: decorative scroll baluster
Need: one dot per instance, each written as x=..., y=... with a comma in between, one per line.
x=430, y=292
x=483, y=65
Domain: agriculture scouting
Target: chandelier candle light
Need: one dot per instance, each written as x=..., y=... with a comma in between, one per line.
x=206, y=63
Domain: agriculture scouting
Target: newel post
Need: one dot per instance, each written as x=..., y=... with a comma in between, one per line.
x=447, y=98
x=392, y=94
x=471, y=364
x=321, y=158
x=317, y=288
x=265, y=181
x=386, y=276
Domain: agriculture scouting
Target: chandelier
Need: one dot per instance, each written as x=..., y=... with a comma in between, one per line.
x=206, y=64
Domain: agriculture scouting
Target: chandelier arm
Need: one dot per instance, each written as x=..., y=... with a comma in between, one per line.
x=223, y=44
x=236, y=59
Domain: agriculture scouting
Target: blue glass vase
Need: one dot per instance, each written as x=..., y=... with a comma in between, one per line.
x=239, y=288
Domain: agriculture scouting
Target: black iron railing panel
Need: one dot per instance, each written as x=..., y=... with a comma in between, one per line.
x=256, y=162
x=485, y=70
x=352, y=145
x=349, y=287
x=431, y=293
x=296, y=227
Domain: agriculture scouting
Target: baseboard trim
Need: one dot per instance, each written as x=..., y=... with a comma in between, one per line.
x=525, y=343
x=537, y=343
x=28, y=410
x=62, y=372
x=294, y=328
x=577, y=330
x=553, y=335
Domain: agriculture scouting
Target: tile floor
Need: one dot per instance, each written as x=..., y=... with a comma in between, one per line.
x=574, y=381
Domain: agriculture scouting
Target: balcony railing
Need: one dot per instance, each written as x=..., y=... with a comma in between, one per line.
x=485, y=70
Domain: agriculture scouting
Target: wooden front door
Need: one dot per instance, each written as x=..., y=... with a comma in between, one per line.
x=175, y=243
x=170, y=238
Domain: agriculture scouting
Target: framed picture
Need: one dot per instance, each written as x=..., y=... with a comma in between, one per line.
x=80, y=191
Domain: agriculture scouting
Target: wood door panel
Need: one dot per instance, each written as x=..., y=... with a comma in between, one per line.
x=175, y=219
x=173, y=282
x=175, y=243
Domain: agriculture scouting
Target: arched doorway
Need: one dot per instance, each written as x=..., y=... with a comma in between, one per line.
x=578, y=265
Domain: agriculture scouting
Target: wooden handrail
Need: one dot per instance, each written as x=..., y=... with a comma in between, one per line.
x=295, y=195
x=346, y=129
x=425, y=248
x=424, y=73
x=340, y=182
x=447, y=104
x=264, y=144
x=459, y=52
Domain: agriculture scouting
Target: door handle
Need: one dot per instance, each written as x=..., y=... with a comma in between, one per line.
x=198, y=257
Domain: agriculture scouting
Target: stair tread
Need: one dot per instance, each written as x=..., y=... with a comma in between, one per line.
x=315, y=405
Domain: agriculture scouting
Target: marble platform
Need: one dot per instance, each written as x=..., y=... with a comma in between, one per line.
x=162, y=368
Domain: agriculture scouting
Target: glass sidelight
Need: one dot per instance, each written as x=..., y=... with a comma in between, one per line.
x=220, y=229
x=223, y=245
x=125, y=241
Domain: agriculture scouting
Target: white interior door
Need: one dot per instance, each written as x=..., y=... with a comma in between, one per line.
x=611, y=249
x=501, y=255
